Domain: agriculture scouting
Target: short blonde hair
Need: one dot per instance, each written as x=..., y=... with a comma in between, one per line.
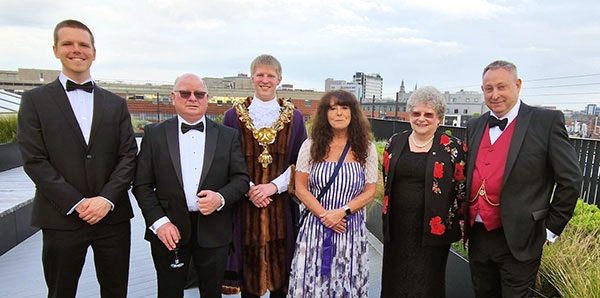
x=265, y=59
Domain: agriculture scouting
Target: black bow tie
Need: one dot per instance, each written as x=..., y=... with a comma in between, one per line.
x=493, y=121
x=186, y=127
x=87, y=87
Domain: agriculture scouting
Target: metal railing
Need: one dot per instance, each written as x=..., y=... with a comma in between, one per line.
x=588, y=152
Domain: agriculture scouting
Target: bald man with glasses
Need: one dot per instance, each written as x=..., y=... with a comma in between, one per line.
x=190, y=173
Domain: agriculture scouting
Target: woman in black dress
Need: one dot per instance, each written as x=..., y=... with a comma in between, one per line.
x=424, y=190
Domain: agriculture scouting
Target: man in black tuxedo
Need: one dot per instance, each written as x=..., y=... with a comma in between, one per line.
x=518, y=155
x=190, y=173
x=79, y=149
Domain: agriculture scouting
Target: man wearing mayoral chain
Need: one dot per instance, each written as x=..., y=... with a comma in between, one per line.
x=271, y=132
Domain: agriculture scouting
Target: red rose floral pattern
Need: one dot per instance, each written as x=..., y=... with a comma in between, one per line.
x=437, y=227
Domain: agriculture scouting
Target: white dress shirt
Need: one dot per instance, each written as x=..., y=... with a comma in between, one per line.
x=82, y=104
x=264, y=114
x=191, y=157
x=495, y=133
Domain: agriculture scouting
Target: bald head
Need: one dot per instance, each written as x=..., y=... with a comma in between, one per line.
x=188, y=77
x=190, y=97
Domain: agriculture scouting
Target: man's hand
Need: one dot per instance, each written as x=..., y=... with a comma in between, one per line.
x=169, y=235
x=92, y=210
x=332, y=217
x=260, y=195
x=208, y=201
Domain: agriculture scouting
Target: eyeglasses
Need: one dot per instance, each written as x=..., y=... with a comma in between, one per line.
x=186, y=94
x=426, y=115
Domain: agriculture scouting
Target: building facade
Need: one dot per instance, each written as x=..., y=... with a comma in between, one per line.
x=591, y=109
x=371, y=84
x=352, y=87
x=152, y=101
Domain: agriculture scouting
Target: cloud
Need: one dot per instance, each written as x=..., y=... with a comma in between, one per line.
x=435, y=42
x=397, y=36
x=538, y=49
x=476, y=9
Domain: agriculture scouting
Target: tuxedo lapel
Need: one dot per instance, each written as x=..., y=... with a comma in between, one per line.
x=98, y=114
x=210, y=145
x=521, y=125
x=62, y=102
x=172, y=134
x=473, y=142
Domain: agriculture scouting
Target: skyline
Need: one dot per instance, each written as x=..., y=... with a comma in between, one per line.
x=427, y=42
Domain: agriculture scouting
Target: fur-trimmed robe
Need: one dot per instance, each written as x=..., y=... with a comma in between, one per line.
x=264, y=238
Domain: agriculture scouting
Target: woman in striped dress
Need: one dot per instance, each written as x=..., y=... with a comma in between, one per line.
x=331, y=249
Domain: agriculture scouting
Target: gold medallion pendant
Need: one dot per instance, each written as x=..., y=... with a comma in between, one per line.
x=265, y=135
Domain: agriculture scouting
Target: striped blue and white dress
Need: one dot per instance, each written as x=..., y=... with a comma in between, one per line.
x=349, y=263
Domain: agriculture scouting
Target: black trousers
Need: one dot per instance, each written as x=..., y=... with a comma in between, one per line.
x=494, y=270
x=63, y=256
x=209, y=264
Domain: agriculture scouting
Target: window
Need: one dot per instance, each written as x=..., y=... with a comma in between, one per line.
x=455, y=111
x=454, y=99
x=468, y=100
x=476, y=99
x=466, y=111
x=308, y=103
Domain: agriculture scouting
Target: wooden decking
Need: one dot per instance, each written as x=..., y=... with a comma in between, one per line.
x=21, y=272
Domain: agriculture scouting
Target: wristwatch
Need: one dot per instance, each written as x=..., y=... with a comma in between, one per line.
x=347, y=209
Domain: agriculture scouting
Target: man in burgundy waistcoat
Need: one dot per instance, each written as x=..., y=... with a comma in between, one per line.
x=517, y=155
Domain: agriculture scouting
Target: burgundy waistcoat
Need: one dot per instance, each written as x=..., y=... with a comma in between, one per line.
x=489, y=165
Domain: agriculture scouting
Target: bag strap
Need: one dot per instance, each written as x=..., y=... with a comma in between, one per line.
x=335, y=172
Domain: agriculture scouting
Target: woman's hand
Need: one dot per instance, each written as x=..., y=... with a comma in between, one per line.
x=332, y=217
x=340, y=227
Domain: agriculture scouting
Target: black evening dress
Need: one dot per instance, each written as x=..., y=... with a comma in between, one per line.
x=411, y=270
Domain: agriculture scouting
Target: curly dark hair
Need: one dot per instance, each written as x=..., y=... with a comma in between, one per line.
x=359, y=130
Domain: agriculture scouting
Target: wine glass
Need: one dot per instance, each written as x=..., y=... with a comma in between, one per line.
x=176, y=263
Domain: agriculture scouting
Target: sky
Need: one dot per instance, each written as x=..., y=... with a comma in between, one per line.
x=442, y=43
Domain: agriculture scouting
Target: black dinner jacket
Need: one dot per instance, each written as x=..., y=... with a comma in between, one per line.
x=540, y=156
x=158, y=185
x=445, y=204
x=63, y=167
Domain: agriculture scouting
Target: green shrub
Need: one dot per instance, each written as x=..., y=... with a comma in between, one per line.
x=219, y=119
x=586, y=216
x=380, y=145
x=308, y=125
x=138, y=124
x=571, y=266
x=8, y=128
x=460, y=249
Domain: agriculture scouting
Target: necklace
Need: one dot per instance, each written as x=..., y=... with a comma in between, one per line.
x=412, y=138
x=265, y=135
